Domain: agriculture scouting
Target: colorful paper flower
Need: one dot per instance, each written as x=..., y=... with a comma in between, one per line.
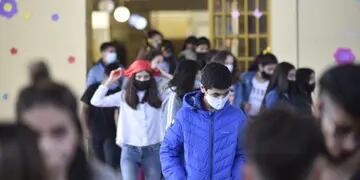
x=8, y=8
x=344, y=56
x=13, y=51
x=71, y=59
x=55, y=17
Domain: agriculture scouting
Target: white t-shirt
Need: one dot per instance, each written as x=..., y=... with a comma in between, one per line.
x=257, y=95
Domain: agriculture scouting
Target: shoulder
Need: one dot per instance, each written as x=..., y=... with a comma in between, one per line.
x=238, y=113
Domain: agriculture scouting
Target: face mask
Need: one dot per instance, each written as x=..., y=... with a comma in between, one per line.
x=310, y=87
x=216, y=102
x=230, y=67
x=142, y=85
x=111, y=57
x=265, y=75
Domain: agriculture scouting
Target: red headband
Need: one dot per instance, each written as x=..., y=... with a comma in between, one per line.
x=140, y=65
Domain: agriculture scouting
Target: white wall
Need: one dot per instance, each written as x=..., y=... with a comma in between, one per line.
x=39, y=36
x=324, y=25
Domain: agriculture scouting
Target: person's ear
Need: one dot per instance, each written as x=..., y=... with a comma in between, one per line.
x=202, y=88
x=317, y=108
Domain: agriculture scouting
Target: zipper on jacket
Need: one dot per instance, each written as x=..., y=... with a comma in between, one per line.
x=211, y=145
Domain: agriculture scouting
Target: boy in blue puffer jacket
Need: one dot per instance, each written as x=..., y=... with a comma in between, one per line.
x=205, y=139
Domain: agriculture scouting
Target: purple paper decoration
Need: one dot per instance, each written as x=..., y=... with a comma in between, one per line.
x=8, y=8
x=5, y=97
x=344, y=56
x=55, y=17
x=257, y=13
x=235, y=14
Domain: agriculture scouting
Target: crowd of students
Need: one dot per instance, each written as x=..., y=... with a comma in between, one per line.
x=192, y=116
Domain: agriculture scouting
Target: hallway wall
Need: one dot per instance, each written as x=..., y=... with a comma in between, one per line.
x=54, y=30
x=323, y=26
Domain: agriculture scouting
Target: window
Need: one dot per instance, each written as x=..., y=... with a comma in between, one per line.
x=240, y=26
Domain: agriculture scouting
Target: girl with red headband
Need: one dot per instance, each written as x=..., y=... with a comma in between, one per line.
x=140, y=129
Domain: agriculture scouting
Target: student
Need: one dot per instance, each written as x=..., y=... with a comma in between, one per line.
x=50, y=109
x=156, y=59
x=97, y=72
x=184, y=81
x=255, y=83
x=204, y=142
x=100, y=123
x=20, y=157
x=338, y=111
x=188, y=50
x=280, y=85
x=202, y=51
x=301, y=94
x=283, y=145
x=229, y=60
x=168, y=52
x=153, y=41
x=140, y=130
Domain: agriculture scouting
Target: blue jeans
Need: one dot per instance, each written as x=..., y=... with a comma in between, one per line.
x=148, y=157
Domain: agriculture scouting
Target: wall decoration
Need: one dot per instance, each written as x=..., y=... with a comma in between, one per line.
x=8, y=8
x=55, y=17
x=13, y=51
x=344, y=56
x=258, y=14
x=71, y=59
x=27, y=15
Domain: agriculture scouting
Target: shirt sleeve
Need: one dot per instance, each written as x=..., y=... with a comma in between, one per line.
x=100, y=99
x=86, y=97
x=91, y=77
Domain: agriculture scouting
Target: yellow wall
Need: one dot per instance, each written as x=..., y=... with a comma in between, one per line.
x=324, y=25
x=39, y=36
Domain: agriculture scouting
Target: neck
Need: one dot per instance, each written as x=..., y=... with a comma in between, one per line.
x=259, y=77
x=58, y=174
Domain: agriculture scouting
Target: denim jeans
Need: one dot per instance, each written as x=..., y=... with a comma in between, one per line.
x=106, y=151
x=147, y=157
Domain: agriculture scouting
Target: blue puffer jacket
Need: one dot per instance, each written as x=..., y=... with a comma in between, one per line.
x=204, y=145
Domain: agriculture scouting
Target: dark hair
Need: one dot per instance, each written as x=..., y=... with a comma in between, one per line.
x=153, y=33
x=279, y=79
x=39, y=71
x=184, y=77
x=300, y=94
x=203, y=41
x=106, y=45
x=221, y=56
x=263, y=59
x=20, y=158
x=215, y=75
x=283, y=144
x=303, y=76
x=189, y=40
x=111, y=67
x=51, y=93
x=169, y=47
x=152, y=54
x=340, y=83
x=151, y=95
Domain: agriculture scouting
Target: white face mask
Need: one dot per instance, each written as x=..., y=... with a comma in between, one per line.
x=216, y=102
x=230, y=67
x=111, y=57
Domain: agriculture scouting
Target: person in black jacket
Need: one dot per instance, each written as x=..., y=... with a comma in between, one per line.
x=304, y=87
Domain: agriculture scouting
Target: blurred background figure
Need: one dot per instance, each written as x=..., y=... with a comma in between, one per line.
x=281, y=144
x=153, y=41
x=188, y=49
